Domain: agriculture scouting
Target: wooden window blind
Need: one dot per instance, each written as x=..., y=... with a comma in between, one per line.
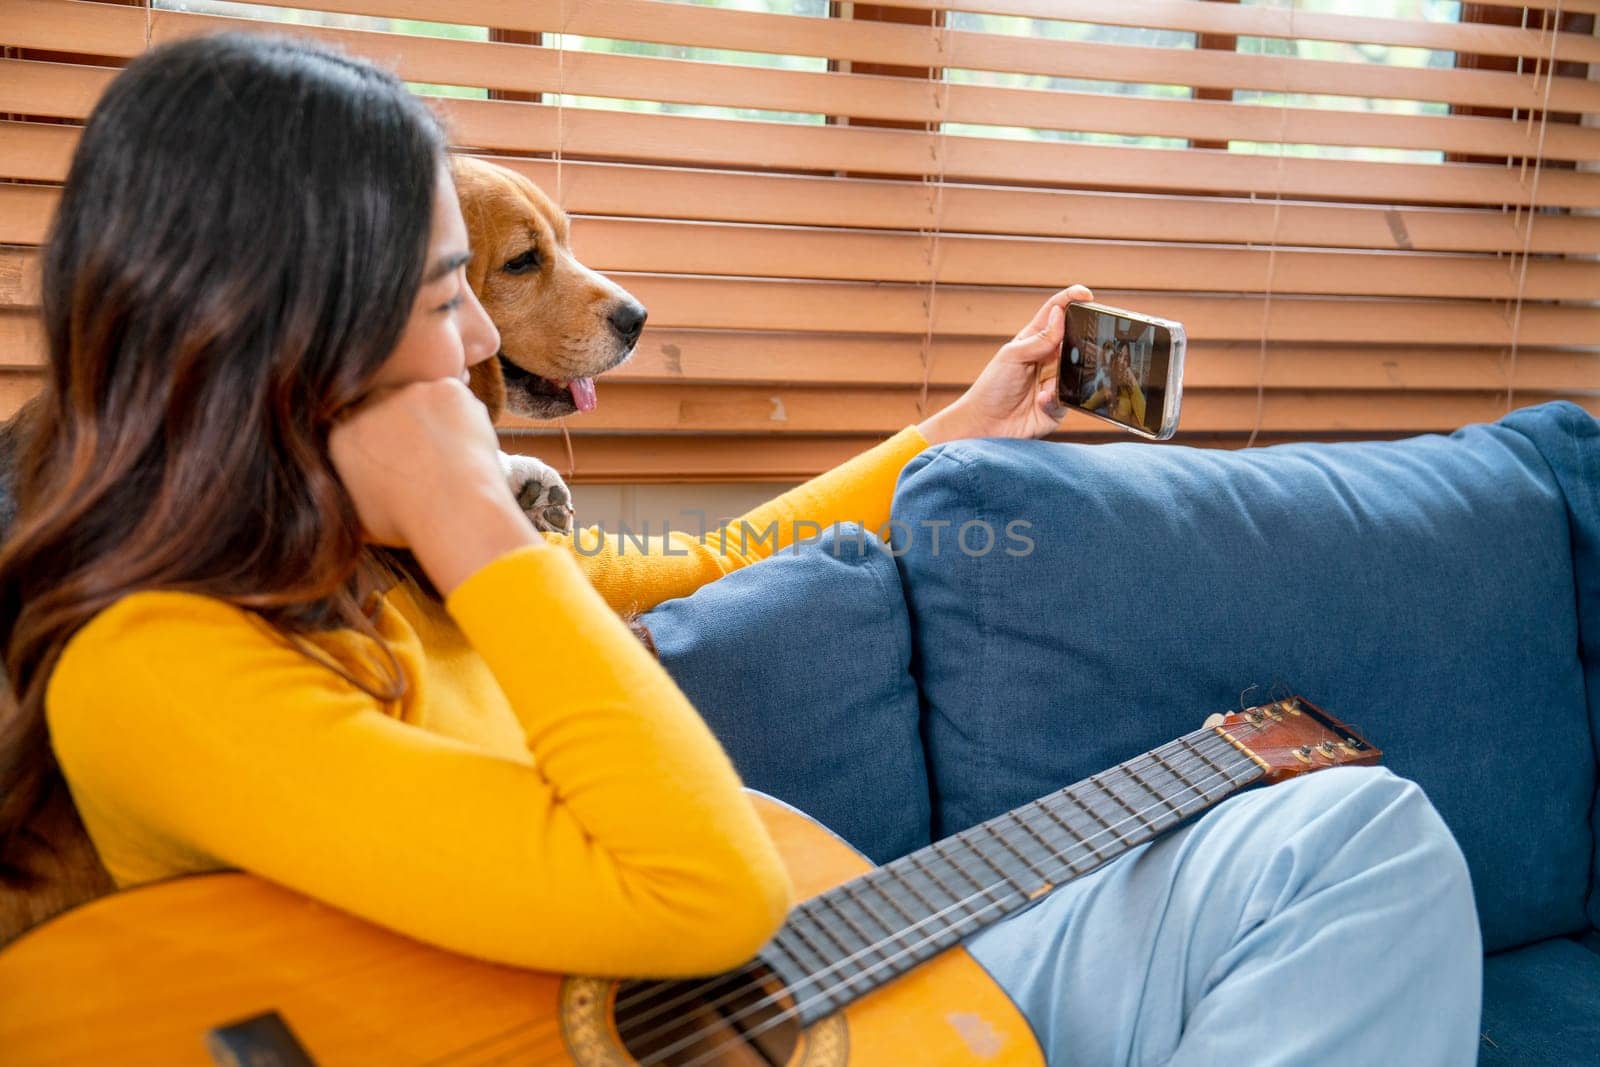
x=1372, y=224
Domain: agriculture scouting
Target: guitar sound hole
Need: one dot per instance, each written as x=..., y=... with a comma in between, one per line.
x=731, y=1021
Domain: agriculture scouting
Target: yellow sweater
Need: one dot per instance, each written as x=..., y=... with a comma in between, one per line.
x=544, y=795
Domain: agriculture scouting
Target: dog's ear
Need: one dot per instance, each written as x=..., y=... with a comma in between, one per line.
x=476, y=182
x=543, y=205
x=488, y=385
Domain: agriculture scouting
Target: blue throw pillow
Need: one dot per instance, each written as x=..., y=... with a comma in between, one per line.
x=799, y=663
x=1421, y=590
x=1569, y=439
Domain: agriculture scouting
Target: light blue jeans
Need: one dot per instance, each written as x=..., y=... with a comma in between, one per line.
x=1324, y=920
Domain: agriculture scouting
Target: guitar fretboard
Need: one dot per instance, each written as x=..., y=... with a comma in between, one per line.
x=841, y=945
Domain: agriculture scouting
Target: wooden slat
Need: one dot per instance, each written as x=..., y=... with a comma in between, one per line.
x=656, y=459
x=22, y=343
x=916, y=46
x=521, y=68
x=672, y=458
x=730, y=142
x=80, y=28
x=705, y=409
x=807, y=253
x=728, y=357
x=843, y=307
x=734, y=196
x=25, y=213
x=662, y=192
x=53, y=90
x=677, y=458
x=1565, y=6
x=41, y=152
x=662, y=459
x=523, y=127
x=16, y=389
x=36, y=151
x=805, y=306
x=747, y=357
x=1199, y=16
x=630, y=407
x=513, y=126
x=19, y=278
x=913, y=46
x=1273, y=24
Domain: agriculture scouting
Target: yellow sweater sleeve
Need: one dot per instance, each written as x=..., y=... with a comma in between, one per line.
x=631, y=570
x=624, y=846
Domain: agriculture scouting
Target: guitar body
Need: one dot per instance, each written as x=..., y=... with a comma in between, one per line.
x=229, y=969
x=140, y=977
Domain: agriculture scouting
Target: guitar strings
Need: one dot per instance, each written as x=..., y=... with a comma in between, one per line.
x=727, y=1025
x=1196, y=760
x=953, y=867
x=1218, y=746
x=544, y=1028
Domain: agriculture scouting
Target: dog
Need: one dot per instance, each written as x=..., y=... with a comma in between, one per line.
x=561, y=324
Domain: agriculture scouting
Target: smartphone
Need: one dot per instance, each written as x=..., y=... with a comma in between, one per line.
x=1124, y=367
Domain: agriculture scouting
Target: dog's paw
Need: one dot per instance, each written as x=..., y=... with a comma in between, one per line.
x=540, y=492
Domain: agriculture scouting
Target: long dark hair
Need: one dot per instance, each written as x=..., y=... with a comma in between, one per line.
x=237, y=248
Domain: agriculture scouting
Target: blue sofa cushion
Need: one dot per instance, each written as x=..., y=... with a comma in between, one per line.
x=1539, y=1006
x=1421, y=590
x=1569, y=439
x=799, y=663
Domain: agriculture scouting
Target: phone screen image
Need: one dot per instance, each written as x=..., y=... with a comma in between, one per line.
x=1115, y=366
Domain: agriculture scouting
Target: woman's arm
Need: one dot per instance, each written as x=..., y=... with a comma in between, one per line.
x=193, y=737
x=631, y=570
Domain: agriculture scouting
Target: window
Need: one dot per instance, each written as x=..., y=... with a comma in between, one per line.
x=1374, y=219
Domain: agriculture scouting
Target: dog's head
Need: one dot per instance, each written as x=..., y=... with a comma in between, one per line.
x=561, y=324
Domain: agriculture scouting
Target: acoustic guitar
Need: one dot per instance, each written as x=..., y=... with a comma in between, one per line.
x=229, y=969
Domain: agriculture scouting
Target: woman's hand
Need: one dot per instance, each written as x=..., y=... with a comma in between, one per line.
x=421, y=464
x=1010, y=397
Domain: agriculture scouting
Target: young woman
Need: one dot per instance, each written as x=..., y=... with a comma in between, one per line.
x=259, y=338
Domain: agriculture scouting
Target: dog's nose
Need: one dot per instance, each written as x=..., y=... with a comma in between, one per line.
x=628, y=320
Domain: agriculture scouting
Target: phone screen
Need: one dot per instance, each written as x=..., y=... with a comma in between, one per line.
x=1115, y=367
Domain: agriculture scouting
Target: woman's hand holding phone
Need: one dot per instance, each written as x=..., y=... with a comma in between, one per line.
x=1014, y=395
x=421, y=464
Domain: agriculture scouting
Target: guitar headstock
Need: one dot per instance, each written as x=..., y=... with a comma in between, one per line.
x=1292, y=736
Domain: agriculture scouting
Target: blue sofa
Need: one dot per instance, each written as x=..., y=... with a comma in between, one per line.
x=1038, y=611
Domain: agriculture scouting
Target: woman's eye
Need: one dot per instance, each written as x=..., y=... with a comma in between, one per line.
x=451, y=304
x=522, y=264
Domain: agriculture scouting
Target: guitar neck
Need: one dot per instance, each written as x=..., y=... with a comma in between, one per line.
x=843, y=944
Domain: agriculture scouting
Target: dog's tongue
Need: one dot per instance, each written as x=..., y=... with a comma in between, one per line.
x=582, y=390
